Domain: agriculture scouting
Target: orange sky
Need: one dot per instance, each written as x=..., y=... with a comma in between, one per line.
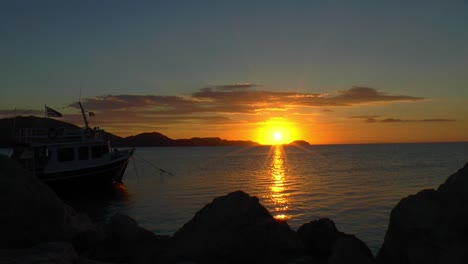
x=355, y=115
x=247, y=112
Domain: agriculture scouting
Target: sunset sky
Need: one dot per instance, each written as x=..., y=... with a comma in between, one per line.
x=321, y=71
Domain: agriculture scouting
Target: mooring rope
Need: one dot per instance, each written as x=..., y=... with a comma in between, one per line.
x=152, y=165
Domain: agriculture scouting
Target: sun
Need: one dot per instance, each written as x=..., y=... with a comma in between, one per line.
x=276, y=133
x=277, y=136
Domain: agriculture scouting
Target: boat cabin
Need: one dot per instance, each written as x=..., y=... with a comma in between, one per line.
x=51, y=150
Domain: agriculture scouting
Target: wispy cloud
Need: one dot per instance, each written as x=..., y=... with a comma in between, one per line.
x=437, y=120
x=230, y=87
x=14, y=112
x=133, y=102
x=229, y=103
x=365, y=95
x=377, y=119
x=237, y=98
x=265, y=99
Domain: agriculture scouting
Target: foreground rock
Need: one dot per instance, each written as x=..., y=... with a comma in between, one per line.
x=127, y=242
x=31, y=212
x=53, y=252
x=323, y=241
x=431, y=226
x=235, y=228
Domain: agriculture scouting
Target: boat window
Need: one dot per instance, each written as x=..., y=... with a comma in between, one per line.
x=96, y=151
x=41, y=154
x=65, y=154
x=83, y=153
x=49, y=154
x=105, y=149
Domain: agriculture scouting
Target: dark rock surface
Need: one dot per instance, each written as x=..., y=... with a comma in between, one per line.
x=127, y=242
x=350, y=249
x=45, y=253
x=52, y=252
x=235, y=228
x=31, y=212
x=322, y=240
x=431, y=226
x=318, y=236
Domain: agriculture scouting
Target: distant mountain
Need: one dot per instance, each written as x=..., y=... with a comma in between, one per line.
x=7, y=126
x=215, y=141
x=299, y=143
x=156, y=139
x=153, y=139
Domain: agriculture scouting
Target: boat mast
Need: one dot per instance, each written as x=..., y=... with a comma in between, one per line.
x=84, y=115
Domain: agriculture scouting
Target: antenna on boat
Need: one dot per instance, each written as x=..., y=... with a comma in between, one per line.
x=84, y=115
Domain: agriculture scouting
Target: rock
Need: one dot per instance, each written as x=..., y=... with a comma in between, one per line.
x=52, y=252
x=31, y=211
x=124, y=229
x=431, y=226
x=322, y=240
x=128, y=242
x=348, y=249
x=318, y=236
x=235, y=228
x=304, y=259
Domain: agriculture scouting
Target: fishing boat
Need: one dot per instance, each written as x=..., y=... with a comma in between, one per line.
x=68, y=157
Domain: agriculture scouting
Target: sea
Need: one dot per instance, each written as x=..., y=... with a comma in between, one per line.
x=354, y=185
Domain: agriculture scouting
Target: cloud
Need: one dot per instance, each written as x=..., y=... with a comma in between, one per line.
x=216, y=104
x=394, y=120
x=16, y=112
x=236, y=98
x=117, y=102
x=350, y=97
x=237, y=86
x=438, y=120
x=363, y=95
x=374, y=119
x=221, y=104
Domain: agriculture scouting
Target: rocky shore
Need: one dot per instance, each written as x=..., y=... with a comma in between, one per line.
x=37, y=227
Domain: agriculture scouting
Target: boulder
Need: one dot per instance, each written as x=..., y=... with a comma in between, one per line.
x=32, y=212
x=52, y=252
x=323, y=241
x=124, y=229
x=431, y=226
x=127, y=242
x=44, y=253
x=318, y=236
x=348, y=249
x=235, y=228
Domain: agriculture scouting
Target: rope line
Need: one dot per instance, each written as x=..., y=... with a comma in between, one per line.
x=152, y=165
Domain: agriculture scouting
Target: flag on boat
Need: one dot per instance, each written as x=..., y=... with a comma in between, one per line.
x=52, y=113
x=91, y=114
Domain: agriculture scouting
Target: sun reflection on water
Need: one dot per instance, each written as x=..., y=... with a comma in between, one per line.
x=278, y=188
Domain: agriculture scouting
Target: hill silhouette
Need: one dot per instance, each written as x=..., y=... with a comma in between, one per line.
x=299, y=143
x=152, y=139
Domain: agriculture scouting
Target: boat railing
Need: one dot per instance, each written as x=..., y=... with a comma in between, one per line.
x=59, y=134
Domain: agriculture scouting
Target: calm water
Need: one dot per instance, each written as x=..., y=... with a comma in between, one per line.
x=354, y=185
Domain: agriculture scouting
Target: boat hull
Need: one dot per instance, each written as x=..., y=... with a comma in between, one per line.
x=89, y=178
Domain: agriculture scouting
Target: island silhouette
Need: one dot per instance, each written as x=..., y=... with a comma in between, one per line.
x=146, y=139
